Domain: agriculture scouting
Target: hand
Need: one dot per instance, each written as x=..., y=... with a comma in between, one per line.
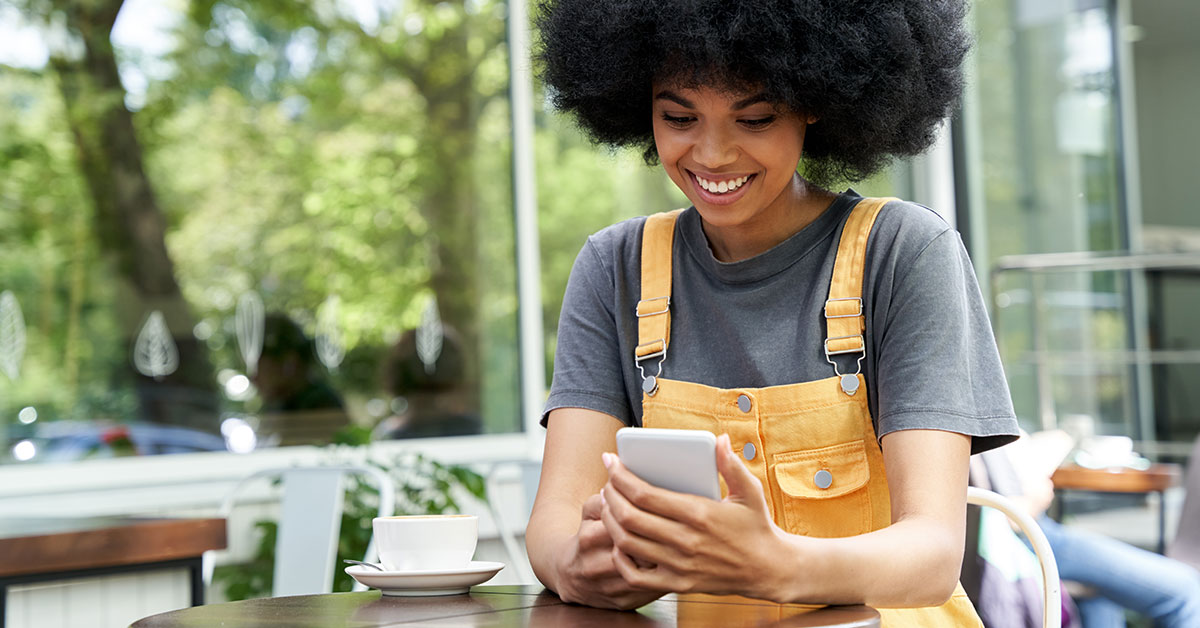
x=1039, y=494
x=668, y=541
x=586, y=574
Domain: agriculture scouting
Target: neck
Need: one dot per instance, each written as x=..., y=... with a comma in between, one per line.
x=796, y=208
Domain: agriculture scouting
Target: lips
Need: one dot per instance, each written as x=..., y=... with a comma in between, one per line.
x=704, y=186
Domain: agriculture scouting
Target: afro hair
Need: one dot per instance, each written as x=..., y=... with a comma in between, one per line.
x=880, y=75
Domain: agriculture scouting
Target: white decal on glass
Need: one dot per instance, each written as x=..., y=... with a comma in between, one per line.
x=155, y=354
x=329, y=334
x=250, y=318
x=12, y=335
x=429, y=336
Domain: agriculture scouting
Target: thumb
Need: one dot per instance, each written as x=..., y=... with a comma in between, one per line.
x=593, y=507
x=743, y=486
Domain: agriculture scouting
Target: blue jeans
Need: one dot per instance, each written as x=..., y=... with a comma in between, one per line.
x=1124, y=577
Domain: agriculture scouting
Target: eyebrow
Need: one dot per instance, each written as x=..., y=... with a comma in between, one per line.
x=753, y=100
x=667, y=94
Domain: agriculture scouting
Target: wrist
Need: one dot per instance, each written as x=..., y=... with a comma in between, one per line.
x=558, y=565
x=785, y=565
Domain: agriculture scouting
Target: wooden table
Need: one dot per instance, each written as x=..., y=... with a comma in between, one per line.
x=504, y=606
x=41, y=550
x=1157, y=479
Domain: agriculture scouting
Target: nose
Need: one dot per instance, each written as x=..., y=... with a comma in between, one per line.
x=714, y=148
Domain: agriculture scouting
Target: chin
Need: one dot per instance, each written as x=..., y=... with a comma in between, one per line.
x=722, y=216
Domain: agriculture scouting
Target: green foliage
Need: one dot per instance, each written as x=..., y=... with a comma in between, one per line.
x=255, y=578
x=423, y=487
x=301, y=151
x=296, y=150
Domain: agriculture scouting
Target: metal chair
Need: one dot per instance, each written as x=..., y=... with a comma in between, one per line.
x=310, y=518
x=1052, y=600
x=501, y=474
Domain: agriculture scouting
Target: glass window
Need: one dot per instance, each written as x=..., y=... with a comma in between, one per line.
x=235, y=225
x=1165, y=54
x=1043, y=144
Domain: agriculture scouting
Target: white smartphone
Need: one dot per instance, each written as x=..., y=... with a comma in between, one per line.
x=684, y=461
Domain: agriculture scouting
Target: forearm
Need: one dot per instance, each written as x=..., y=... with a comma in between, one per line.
x=911, y=563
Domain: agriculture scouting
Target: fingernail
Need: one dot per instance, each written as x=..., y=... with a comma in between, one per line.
x=606, y=458
x=602, y=499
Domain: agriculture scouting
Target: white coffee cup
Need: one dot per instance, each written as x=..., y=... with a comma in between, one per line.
x=426, y=542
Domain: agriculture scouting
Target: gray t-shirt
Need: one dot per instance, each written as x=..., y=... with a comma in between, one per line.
x=931, y=360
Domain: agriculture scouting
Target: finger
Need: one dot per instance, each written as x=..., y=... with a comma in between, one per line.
x=743, y=486
x=644, y=552
x=637, y=577
x=592, y=507
x=596, y=565
x=594, y=534
x=623, y=520
x=649, y=498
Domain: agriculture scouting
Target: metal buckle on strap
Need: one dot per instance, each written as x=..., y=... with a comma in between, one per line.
x=650, y=382
x=637, y=309
x=858, y=313
x=657, y=354
x=861, y=349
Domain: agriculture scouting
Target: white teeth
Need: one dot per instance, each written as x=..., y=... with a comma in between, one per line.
x=722, y=187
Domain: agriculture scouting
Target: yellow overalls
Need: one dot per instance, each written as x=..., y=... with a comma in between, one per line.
x=811, y=444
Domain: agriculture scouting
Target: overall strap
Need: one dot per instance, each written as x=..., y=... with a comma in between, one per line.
x=844, y=318
x=654, y=309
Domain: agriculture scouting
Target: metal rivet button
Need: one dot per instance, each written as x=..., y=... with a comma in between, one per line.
x=823, y=479
x=748, y=451
x=743, y=403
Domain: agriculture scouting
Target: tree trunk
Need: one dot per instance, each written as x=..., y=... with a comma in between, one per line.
x=128, y=223
x=450, y=203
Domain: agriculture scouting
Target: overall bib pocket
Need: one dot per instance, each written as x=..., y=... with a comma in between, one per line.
x=821, y=492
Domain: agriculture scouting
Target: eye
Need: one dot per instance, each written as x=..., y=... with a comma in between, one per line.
x=678, y=122
x=757, y=123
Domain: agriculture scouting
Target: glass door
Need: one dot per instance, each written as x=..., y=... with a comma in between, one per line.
x=1040, y=140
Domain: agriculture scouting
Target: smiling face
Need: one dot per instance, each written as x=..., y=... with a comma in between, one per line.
x=734, y=155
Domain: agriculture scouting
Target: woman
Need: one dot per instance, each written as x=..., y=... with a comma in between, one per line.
x=838, y=345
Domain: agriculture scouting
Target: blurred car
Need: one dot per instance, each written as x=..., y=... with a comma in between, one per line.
x=62, y=441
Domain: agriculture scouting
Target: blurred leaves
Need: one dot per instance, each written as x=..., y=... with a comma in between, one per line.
x=303, y=150
x=293, y=152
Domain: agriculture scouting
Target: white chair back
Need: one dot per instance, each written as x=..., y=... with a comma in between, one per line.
x=1052, y=600
x=310, y=518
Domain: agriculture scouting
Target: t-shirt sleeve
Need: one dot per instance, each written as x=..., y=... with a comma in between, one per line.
x=938, y=365
x=587, y=367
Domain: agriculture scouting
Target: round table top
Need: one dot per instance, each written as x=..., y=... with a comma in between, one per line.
x=502, y=606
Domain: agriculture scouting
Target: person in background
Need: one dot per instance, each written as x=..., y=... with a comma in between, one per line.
x=1119, y=576
x=431, y=395
x=299, y=406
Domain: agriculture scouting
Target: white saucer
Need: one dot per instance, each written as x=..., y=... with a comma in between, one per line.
x=426, y=582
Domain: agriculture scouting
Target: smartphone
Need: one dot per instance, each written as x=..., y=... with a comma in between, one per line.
x=684, y=461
